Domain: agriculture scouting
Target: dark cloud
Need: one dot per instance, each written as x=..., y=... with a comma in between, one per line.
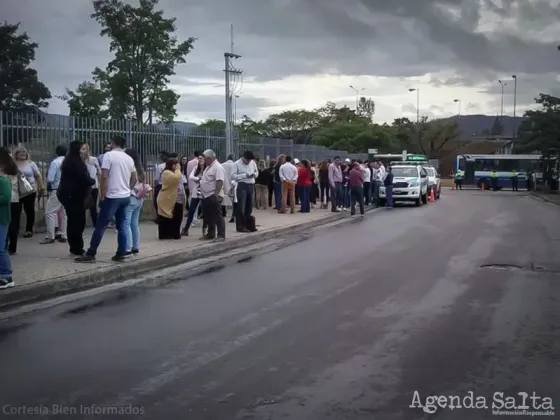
x=472, y=42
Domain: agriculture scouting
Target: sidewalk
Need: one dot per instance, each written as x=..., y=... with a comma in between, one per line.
x=42, y=271
x=553, y=197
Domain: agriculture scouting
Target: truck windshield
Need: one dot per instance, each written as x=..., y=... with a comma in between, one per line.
x=405, y=172
x=431, y=171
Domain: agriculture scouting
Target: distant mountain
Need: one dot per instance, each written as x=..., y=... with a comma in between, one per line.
x=481, y=125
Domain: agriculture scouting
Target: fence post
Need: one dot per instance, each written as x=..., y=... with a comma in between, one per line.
x=72, y=128
x=128, y=129
x=174, y=137
x=1, y=128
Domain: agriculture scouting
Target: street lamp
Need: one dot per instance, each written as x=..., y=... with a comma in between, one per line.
x=514, y=105
x=417, y=103
x=357, y=94
x=503, y=85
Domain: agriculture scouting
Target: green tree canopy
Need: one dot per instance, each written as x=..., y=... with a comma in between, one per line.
x=540, y=129
x=146, y=52
x=20, y=88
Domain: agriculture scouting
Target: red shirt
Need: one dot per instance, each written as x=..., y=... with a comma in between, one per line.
x=304, y=177
x=356, y=178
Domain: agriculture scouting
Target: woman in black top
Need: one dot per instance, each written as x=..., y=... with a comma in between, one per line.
x=278, y=182
x=270, y=185
x=74, y=193
x=261, y=186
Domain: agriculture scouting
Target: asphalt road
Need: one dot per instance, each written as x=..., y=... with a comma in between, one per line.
x=346, y=324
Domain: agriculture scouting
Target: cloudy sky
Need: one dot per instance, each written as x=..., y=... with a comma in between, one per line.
x=302, y=53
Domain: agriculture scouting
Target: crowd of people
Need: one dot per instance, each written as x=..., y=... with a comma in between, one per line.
x=113, y=186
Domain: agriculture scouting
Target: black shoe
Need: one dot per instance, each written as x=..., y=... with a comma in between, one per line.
x=5, y=283
x=135, y=251
x=243, y=230
x=47, y=241
x=28, y=234
x=57, y=236
x=206, y=238
x=85, y=259
x=62, y=240
x=232, y=220
x=118, y=257
x=12, y=252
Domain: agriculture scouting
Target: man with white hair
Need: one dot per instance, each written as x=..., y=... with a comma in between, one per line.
x=212, y=190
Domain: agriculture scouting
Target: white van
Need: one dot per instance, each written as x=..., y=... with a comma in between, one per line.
x=410, y=183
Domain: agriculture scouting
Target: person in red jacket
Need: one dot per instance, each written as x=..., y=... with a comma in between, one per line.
x=305, y=183
x=356, y=185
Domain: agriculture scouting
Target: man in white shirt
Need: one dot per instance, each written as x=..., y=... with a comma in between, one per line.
x=191, y=165
x=288, y=175
x=367, y=181
x=381, y=173
x=228, y=202
x=118, y=177
x=212, y=190
x=244, y=173
x=54, y=208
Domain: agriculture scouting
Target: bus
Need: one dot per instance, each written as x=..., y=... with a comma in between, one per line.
x=477, y=169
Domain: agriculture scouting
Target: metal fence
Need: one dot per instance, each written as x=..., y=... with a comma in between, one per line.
x=40, y=133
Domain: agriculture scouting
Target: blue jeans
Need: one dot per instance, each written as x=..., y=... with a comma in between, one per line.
x=193, y=207
x=389, y=196
x=278, y=195
x=110, y=207
x=346, y=197
x=245, y=194
x=5, y=263
x=305, y=199
x=132, y=218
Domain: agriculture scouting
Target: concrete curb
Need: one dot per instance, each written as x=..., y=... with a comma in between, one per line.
x=119, y=272
x=543, y=197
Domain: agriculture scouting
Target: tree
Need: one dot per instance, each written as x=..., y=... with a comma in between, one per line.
x=214, y=125
x=404, y=132
x=540, y=129
x=146, y=52
x=497, y=128
x=366, y=108
x=20, y=88
x=88, y=100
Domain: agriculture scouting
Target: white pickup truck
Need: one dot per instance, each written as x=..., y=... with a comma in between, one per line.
x=410, y=183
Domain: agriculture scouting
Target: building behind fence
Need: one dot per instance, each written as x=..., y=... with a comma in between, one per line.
x=40, y=133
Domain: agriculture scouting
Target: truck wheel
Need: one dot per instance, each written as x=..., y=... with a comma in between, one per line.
x=418, y=202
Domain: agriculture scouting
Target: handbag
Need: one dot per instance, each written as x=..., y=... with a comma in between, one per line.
x=24, y=186
x=142, y=190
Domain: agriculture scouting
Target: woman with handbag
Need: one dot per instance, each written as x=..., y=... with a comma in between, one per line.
x=134, y=208
x=75, y=195
x=30, y=170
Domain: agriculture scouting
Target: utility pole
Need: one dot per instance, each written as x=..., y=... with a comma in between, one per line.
x=503, y=85
x=230, y=72
x=514, y=105
x=458, y=102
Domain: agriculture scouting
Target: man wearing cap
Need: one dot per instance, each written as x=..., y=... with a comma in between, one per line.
x=212, y=190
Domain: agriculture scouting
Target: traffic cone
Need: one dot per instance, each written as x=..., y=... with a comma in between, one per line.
x=432, y=196
x=482, y=186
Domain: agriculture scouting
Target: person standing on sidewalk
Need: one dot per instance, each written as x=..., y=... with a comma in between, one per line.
x=95, y=173
x=228, y=202
x=196, y=195
x=31, y=172
x=54, y=206
x=245, y=172
x=278, y=182
x=324, y=188
x=118, y=175
x=8, y=168
x=163, y=156
x=270, y=186
x=388, y=183
x=74, y=192
x=356, y=185
x=11, y=172
x=335, y=183
x=261, y=185
x=304, y=184
x=367, y=182
x=171, y=201
x=134, y=208
x=288, y=176
x=212, y=191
